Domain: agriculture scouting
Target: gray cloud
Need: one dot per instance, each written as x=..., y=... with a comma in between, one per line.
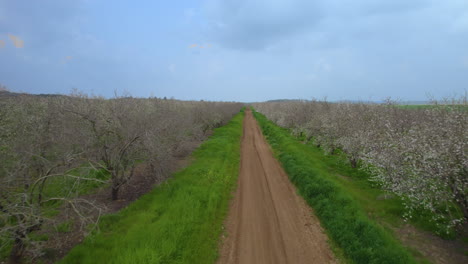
x=349, y=8
x=41, y=24
x=346, y=48
x=256, y=24
x=261, y=49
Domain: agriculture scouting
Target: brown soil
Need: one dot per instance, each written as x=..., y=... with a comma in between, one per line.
x=433, y=248
x=268, y=221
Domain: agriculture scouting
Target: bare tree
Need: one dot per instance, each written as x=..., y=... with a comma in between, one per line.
x=113, y=135
x=50, y=147
x=33, y=156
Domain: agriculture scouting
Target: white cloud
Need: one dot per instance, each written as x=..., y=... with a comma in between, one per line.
x=460, y=24
x=172, y=68
x=311, y=77
x=322, y=65
x=189, y=14
x=465, y=61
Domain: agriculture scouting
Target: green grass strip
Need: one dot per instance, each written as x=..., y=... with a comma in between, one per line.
x=360, y=239
x=179, y=221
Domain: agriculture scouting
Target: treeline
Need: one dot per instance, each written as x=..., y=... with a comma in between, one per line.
x=418, y=154
x=53, y=147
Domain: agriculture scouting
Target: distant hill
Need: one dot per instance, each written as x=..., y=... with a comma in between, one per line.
x=353, y=101
x=415, y=103
x=6, y=94
x=286, y=100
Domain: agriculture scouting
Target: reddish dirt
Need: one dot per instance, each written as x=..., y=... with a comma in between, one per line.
x=268, y=221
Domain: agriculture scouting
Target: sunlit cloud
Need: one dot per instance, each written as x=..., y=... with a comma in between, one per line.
x=17, y=42
x=67, y=59
x=200, y=46
x=2, y=43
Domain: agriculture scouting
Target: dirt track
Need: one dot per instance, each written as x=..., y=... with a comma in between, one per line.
x=268, y=222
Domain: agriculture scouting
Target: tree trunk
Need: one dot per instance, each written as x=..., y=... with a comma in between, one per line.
x=353, y=162
x=460, y=199
x=115, y=193
x=465, y=211
x=16, y=252
x=462, y=204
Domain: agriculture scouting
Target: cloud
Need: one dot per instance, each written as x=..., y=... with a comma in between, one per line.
x=2, y=43
x=172, y=68
x=465, y=62
x=460, y=24
x=259, y=24
x=44, y=23
x=349, y=8
x=255, y=24
x=17, y=42
x=322, y=66
x=189, y=13
x=259, y=49
x=200, y=46
x=67, y=59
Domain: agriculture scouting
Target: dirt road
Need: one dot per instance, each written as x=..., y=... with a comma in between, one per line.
x=268, y=222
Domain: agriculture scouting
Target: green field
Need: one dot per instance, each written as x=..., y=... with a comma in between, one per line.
x=431, y=106
x=179, y=221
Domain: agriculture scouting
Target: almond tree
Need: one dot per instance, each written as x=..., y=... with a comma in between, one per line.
x=111, y=136
x=418, y=154
x=33, y=153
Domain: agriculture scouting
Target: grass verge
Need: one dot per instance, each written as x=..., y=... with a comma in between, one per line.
x=179, y=221
x=360, y=239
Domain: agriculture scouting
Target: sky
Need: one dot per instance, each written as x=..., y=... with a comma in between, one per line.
x=237, y=50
